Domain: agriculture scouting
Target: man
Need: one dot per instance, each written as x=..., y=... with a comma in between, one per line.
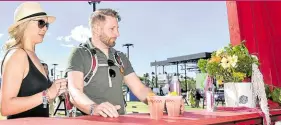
x=103, y=94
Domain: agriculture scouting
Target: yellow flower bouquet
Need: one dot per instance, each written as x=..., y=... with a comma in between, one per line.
x=229, y=64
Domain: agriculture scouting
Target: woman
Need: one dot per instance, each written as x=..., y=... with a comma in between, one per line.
x=25, y=88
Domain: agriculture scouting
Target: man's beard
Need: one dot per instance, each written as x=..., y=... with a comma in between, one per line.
x=108, y=41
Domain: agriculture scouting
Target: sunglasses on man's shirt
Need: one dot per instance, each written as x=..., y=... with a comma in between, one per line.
x=112, y=73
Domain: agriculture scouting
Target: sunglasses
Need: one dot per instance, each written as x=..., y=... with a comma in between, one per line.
x=112, y=73
x=42, y=24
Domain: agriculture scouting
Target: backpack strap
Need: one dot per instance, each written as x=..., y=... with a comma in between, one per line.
x=94, y=64
x=94, y=67
x=119, y=62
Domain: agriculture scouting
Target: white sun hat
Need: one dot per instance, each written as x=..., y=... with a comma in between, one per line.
x=28, y=10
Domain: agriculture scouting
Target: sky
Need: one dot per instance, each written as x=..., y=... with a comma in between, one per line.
x=158, y=30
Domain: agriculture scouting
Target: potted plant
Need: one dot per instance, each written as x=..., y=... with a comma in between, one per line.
x=232, y=67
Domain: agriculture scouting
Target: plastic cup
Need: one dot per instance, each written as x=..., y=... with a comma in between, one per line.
x=173, y=104
x=156, y=106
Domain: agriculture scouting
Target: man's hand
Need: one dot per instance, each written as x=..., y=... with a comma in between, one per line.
x=106, y=109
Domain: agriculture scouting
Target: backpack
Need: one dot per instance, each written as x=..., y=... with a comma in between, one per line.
x=94, y=67
x=91, y=73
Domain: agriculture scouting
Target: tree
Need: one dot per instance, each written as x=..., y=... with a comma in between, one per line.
x=153, y=81
x=145, y=79
x=141, y=78
x=190, y=84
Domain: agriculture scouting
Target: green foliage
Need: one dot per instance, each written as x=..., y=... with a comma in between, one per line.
x=202, y=65
x=267, y=92
x=145, y=79
x=192, y=98
x=274, y=95
x=141, y=78
x=190, y=84
x=213, y=68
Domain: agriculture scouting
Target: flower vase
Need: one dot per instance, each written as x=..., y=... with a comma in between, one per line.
x=239, y=94
x=210, y=101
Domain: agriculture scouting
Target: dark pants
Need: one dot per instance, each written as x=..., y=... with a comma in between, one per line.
x=197, y=103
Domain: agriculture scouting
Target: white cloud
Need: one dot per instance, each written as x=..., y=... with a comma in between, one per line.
x=48, y=34
x=67, y=38
x=68, y=45
x=78, y=34
x=1, y=35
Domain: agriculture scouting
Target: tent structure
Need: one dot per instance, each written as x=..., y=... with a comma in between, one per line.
x=186, y=59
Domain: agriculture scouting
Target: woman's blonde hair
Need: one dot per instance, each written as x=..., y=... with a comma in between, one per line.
x=16, y=37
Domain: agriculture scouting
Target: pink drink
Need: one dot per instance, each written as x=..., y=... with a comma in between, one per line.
x=156, y=106
x=173, y=104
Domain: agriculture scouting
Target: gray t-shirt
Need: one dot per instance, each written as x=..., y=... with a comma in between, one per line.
x=99, y=89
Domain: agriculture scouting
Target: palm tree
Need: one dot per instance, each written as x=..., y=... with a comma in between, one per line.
x=146, y=79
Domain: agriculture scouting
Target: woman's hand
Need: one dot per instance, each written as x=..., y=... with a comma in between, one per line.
x=58, y=87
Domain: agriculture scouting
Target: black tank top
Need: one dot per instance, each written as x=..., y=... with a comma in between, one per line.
x=33, y=83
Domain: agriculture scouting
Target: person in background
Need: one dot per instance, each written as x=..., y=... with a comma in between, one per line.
x=46, y=68
x=161, y=91
x=197, y=98
x=166, y=89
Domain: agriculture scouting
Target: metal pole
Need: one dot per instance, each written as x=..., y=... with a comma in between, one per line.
x=55, y=71
x=185, y=76
x=94, y=6
x=128, y=51
x=178, y=70
x=94, y=3
x=156, y=75
x=128, y=48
